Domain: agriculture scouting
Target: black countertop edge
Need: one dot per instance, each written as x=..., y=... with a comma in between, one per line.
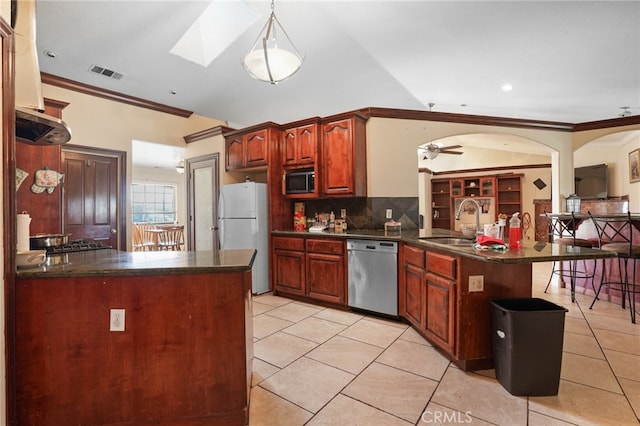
x=531, y=251
x=105, y=263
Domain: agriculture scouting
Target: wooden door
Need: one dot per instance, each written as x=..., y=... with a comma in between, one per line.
x=91, y=196
x=202, y=194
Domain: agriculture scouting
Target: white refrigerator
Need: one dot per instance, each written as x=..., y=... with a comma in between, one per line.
x=243, y=224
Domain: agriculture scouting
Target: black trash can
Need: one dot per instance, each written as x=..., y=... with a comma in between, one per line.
x=527, y=345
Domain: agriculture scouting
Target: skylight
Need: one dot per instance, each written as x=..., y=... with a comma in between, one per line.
x=215, y=29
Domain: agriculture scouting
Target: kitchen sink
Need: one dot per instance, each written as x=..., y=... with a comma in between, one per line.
x=451, y=241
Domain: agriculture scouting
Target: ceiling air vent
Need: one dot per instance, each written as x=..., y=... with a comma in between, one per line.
x=106, y=72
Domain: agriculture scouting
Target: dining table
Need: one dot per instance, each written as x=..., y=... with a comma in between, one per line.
x=154, y=234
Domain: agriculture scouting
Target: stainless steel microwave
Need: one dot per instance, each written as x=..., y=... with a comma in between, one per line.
x=300, y=181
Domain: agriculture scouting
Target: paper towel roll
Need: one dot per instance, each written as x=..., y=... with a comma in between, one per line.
x=23, y=232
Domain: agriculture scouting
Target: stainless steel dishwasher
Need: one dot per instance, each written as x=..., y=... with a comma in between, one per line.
x=373, y=275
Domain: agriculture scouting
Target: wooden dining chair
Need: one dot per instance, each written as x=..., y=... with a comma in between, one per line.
x=140, y=242
x=172, y=238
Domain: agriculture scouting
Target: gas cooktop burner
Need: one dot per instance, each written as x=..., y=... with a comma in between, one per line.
x=77, y=245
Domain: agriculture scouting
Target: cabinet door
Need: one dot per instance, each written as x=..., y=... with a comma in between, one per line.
x=337, y=151
x=412, y=298
x=234, y=153
x=299, y=145
x=289, y=271
x=440, y=311
x=306, y=142
x=326, y=277
x=289, y=151
x=256, y=148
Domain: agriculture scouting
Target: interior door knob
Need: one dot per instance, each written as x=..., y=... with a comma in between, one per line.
x=114, y=231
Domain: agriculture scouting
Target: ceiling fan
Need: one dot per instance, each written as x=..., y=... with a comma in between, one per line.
x=432, y=150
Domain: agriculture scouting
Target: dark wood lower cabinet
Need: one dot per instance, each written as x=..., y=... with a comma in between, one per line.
x=434, y=297
x=413, y=298
x=312, y=268
x=185, y=357
x=288, y=265
x=440, y=306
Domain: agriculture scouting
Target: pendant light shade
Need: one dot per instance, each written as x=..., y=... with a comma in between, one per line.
x=272, y=59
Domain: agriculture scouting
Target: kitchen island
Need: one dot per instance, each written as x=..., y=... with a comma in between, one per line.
x=444, y=288
x=184, y=355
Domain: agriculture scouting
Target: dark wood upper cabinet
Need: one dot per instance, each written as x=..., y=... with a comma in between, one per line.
x=248, y=149
x=344, y=156
x=300, y=145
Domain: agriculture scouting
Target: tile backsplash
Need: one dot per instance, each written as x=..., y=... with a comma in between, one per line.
x=369, y=212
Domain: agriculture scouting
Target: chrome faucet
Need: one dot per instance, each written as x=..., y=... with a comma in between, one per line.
x=478, y=231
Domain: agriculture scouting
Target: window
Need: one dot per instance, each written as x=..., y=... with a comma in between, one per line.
x=153, y=203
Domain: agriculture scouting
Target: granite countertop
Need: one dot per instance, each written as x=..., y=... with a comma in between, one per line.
x=114, y=263
x=531, y=251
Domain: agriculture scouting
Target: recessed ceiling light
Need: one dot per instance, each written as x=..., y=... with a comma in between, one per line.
x=507, y=87
x=173, y=92
x=50, y=53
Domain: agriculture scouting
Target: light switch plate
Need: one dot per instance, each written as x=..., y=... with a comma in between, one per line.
x=476, y=283
x=116, y=320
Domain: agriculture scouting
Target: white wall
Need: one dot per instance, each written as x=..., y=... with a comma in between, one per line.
x=392, y=146
x=392, y=162
x=100, y=123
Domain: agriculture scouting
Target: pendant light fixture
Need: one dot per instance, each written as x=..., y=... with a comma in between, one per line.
x=270, y=59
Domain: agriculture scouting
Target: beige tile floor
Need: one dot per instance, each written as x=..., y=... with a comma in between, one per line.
x=318, y=366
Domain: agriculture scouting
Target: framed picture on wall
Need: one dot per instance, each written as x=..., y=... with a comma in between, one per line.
x=634, y=166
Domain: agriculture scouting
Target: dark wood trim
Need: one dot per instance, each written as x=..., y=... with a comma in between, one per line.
x=260, y=126
x=121, y=157
x=207, y=133
x=484, y=170
x=8, y=215
x=111, y=95
x=605, y=124
x=55, y=104
x=367, y=112
x=466, y=119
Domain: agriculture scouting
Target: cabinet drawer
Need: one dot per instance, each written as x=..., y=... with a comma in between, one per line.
x=442, y=265
x=286, y=243
x=414, y=256
x=325, y=246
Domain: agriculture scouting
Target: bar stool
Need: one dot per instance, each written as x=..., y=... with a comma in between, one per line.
x=615, y=234
x=563, y=231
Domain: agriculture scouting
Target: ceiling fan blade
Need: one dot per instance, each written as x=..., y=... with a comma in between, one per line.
x=450, y=152
x=451, y=147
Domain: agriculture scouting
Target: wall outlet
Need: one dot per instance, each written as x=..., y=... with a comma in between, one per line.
x=116, y=320
x=389, y=214
x=476, y=283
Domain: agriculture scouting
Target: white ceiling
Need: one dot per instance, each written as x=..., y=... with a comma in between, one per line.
x=571, y=61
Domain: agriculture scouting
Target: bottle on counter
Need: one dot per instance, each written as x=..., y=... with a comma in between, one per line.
x=332, y=221
x=515, y=233
x=343, y=216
